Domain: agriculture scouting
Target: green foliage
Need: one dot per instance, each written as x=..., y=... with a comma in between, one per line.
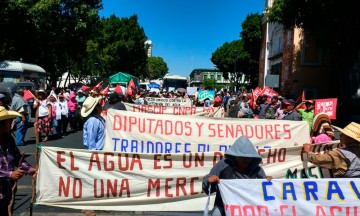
x=241, y=56
x=332, y=23
x=52, y=34
x=251, y=35
x=229, y=58
x=68, y=35
x=121, y=45
x=209, y=84
x=156, y=68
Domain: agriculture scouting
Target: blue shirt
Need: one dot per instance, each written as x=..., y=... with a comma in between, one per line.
x=94, y=133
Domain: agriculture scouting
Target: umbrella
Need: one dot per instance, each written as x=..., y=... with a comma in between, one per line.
x=154, y=85
x=181, y=90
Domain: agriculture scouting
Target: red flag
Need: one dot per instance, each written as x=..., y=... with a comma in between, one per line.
x=105, y=91
x=85, y=88
x=132, y=84
x=102, y=101
x=300, y=99
x=252, y=101
x=129, y=90
x=118, y=90
x=98, y=85
x=28, y=95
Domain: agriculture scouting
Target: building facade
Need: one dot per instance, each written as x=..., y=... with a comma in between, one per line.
x=291, y=62
x=198, y=75
x=149, y=45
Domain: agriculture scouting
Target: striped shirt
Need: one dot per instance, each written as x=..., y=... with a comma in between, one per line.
x=9, y=160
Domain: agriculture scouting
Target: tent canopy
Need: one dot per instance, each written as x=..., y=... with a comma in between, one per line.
x=123, y=77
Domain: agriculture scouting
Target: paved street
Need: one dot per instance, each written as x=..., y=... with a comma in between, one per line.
x=23, y=196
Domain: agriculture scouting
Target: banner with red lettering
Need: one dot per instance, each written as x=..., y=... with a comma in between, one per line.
x=147, y=133
x=269, y=91
x=101, y=180
x=182, y=102
x=256, y=93
x=290, y=197
x=174, y=110
x=327, y=106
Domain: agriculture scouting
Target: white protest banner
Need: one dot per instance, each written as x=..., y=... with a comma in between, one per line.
x=147, y=133
x=191, y=90
x=292, y=162
x=168, y=102
x=100, y=180
x=172, y=110
x=282, y=197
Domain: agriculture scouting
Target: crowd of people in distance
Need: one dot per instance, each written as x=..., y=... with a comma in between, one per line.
x=63, y=111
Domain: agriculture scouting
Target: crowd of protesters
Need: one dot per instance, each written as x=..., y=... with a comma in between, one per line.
x=63, y=111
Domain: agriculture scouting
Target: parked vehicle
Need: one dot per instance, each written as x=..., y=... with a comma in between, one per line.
x=8, y=89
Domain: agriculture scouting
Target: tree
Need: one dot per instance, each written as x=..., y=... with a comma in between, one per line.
x=251, y=35
x=231, y=58
x=209, y=84
x=122, y=45
x=52, y=34
x=335, y=26
x=241, y=56
x=156, y=68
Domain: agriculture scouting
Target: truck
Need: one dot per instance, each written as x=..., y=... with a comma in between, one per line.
x=173, y=82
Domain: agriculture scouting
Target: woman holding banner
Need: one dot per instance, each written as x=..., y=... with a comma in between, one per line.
x=343, y=162
x=241, y=162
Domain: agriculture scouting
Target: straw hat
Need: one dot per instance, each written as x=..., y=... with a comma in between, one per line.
x=41, y=91
x=89, y=105
x=351, y=130
x=4, y=114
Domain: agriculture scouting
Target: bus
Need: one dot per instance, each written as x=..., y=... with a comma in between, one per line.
x=171, y=83
x=16, y=71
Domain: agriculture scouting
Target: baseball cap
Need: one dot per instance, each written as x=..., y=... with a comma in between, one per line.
x=289, y=102
x=2, y=96
x=274, y=97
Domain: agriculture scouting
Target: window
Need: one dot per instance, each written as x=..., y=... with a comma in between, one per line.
x=276, y=69
x=218, y=77
x=212, y=76
x=205, y=76
x=310, y=53
x=277, y=44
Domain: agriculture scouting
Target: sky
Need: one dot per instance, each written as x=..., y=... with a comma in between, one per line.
x=185, y=33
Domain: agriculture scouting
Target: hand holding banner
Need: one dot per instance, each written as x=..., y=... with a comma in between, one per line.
x=290, y=197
